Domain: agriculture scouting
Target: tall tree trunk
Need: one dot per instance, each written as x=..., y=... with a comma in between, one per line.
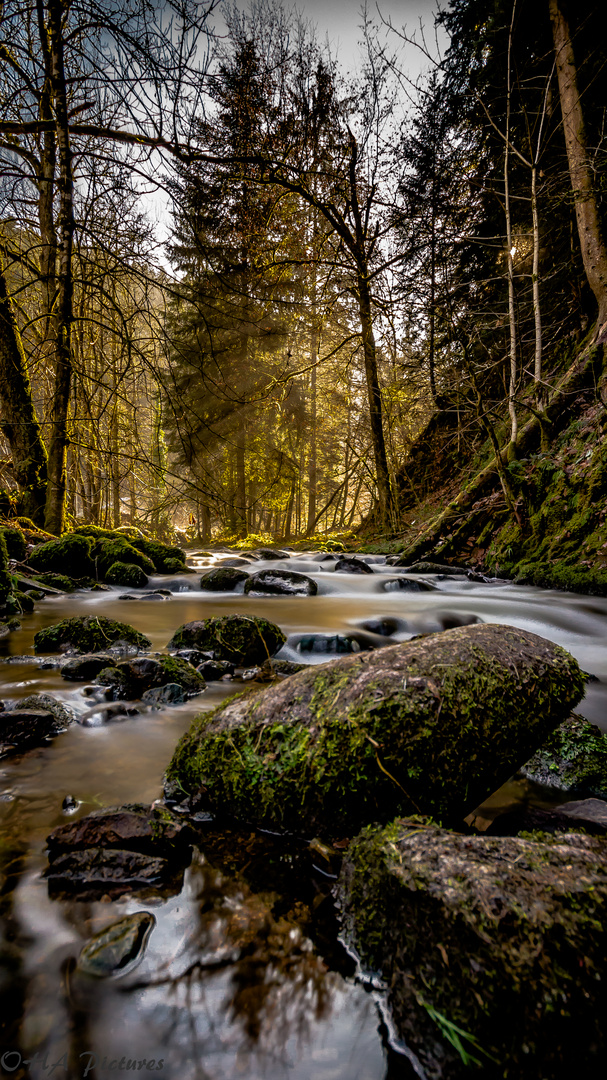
x=510, y=258
x=594, y=251
x=384, y=491
x=57, y=476
x=19, y=421
x=241, y=479
x=313, y=460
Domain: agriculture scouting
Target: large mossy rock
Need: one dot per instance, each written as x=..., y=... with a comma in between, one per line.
x=499, y=943
x=16, y=544
x=433, y=725
x=71, y=555
x=573, y=759
x=166, y=559
x=121, y=573
x=241, y=639
x=91, y=633
x=110, y=552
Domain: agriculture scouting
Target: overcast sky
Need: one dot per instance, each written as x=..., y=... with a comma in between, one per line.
x=341, y=19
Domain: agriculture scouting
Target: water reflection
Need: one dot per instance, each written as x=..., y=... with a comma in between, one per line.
x=243, y=976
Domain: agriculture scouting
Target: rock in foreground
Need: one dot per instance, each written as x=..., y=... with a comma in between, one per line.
x=573, y=759
x=498, y=941
x=433, y=726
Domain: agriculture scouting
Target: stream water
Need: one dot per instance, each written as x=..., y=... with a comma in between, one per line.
x=243, y=975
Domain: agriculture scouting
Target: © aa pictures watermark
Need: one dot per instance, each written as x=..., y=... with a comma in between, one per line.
x=12, y=1060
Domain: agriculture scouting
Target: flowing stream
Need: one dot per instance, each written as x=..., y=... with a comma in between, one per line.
x=243, y=975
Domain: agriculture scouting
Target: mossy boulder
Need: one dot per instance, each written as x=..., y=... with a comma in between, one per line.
x=222, y=579
x=91, y=633
x=242, y=639
x=16, y=544
x=70, y=553
x=121, y=573
x=433, y=725
x=493, y=949
x=109, y=552
x=573, y=759
x=166, y=559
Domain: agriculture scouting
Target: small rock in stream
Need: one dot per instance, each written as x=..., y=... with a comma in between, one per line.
x=280, y=582
x=118, y=946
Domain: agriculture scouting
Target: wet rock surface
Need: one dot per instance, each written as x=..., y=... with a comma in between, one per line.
x=241, y=639
x=405, y=584
x=280, y=582
x=132, y=678
x=118, y=946
x=352, y=566
x=498, y=940
x=573, y=759
x=83, y=668
x=117, y=850
x=433, y=725
x=22, y=729
x=222, y=579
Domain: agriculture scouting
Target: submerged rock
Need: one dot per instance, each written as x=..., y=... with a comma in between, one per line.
x=270, y=553
x=432, y=725
x=500, y=941
x=169, y=694
x=90, y=633
x=92, y=872
x=241, y=639
x=117, y=946
x=327, y=644
x=21, y=729
x=222, y=579
x=407, y=584
x=280, y=582
x=64, y=715
x=573, y=759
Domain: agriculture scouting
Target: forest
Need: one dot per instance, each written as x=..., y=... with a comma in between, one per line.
x=360, y=291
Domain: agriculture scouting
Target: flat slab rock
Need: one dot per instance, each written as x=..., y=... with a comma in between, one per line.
x=433, y=726
x=500, y=939
x=118, y=850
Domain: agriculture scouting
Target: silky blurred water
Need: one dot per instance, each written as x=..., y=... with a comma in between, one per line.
x=238, y=979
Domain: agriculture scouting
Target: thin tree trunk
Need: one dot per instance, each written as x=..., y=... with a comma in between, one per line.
x=384, y=492
x=57, y=477
x=19, y=421
x=510, y=256
x=312, y=461
x=594, y=251
x=241, y=480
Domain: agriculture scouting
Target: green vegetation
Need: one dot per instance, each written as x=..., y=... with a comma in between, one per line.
x=92, y=633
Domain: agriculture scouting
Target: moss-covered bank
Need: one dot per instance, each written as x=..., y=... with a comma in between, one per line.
x=493, y=949
x=433, y=725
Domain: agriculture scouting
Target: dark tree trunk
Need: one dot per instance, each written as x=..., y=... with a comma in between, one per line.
x=19, y=421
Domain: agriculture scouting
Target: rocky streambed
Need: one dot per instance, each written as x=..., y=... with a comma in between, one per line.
x=315, y=891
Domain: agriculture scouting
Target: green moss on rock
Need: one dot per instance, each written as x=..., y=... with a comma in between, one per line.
x=68, y=554
x=499, y=941
x=57, y=581
x=166, y=559
x=121, y=573
x=88, y=634
x=573, y=759
x=432, y=725
x=242, y=639
x=16, y=544
x=109, y=552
